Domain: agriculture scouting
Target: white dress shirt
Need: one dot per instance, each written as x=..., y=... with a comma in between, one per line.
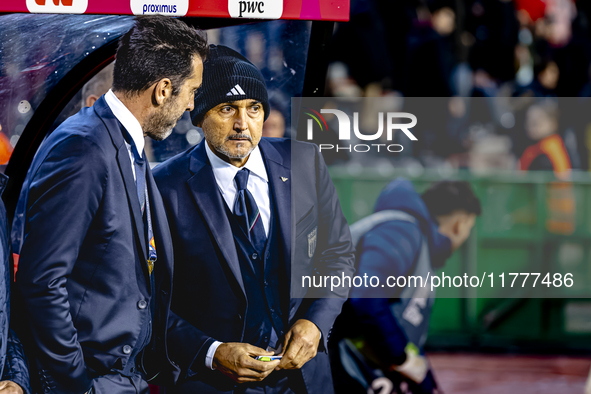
x=258, y=186
x=258, y=182
x=131, y=124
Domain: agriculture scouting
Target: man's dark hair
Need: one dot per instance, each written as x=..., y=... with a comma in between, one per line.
x=446, y=197
x=157, y=47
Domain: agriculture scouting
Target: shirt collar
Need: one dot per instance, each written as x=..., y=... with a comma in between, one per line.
x=256, y=165
x=225, y=172
x=127, y=119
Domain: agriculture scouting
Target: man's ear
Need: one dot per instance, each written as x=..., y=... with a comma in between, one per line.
x=90, y=100
x=162, y=91
x=456, y=225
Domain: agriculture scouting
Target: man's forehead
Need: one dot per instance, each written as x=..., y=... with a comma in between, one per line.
x=240, y=102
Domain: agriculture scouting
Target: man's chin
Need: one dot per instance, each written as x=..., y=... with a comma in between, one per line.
x=236, y=152
x=160, y=136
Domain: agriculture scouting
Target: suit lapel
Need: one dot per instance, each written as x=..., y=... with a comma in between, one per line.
x=204, y=190
x=280, y=184
x=131, y=189
x=161, y=230
x=114, y=128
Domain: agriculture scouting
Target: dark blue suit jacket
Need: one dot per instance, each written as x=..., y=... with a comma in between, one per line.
x=82, y=267
x=209, y=292
x=13, y=363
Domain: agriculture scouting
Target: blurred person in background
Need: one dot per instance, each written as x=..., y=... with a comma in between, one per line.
x=5, y=148
x=557, y=33
x=546, y=76
x=568, y=45
x=97, y=86
x=386, y=327
x=274, y=126
x=430, y=55
x=375, y=42
x=405, y=46
x=492, y=28
x=548, y=152
x=529, y=11
x=86, y=97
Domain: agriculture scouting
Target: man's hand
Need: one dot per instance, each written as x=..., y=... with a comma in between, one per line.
x=300, y=345
x=415, y=367
x=236, y=361
x=8, y=387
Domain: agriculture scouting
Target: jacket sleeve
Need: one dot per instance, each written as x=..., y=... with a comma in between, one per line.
x=390, y=249
x=334, y=253
x=16, y=368
x=64, y=196
x=187, y=346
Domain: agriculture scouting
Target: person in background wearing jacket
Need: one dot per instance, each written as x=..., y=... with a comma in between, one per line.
x=394, y=322
x=548, y=151
x=14, y=372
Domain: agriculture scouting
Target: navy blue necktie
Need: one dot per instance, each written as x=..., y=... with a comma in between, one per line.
x=247, y=212
x=140, y=178
x=142, y=194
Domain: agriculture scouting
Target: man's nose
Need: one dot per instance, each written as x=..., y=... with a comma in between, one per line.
x=240, y=123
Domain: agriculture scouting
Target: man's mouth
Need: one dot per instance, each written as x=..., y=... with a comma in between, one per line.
x=240, y=137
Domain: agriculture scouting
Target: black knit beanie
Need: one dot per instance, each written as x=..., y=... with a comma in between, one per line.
x=228, y=76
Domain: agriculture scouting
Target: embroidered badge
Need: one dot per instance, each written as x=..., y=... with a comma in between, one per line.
x=312, y=236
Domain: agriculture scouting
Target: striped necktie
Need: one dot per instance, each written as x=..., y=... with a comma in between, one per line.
x=247, y=212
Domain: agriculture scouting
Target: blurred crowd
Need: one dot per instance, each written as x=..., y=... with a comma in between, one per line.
x=495, y=84
x=513, y=59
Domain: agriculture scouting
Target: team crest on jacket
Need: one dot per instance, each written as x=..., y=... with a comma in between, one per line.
x=312, y=242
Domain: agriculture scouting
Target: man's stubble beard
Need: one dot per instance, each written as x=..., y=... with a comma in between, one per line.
x=159, y=136
x=160, y=126
x=221, y=148
x=226, y=152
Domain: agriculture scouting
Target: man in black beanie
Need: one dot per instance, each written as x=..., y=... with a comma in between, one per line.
x=240, y=218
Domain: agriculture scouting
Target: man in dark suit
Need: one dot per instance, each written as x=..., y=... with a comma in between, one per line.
x=95, y=269
x=14, y=372
x=241, y=217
